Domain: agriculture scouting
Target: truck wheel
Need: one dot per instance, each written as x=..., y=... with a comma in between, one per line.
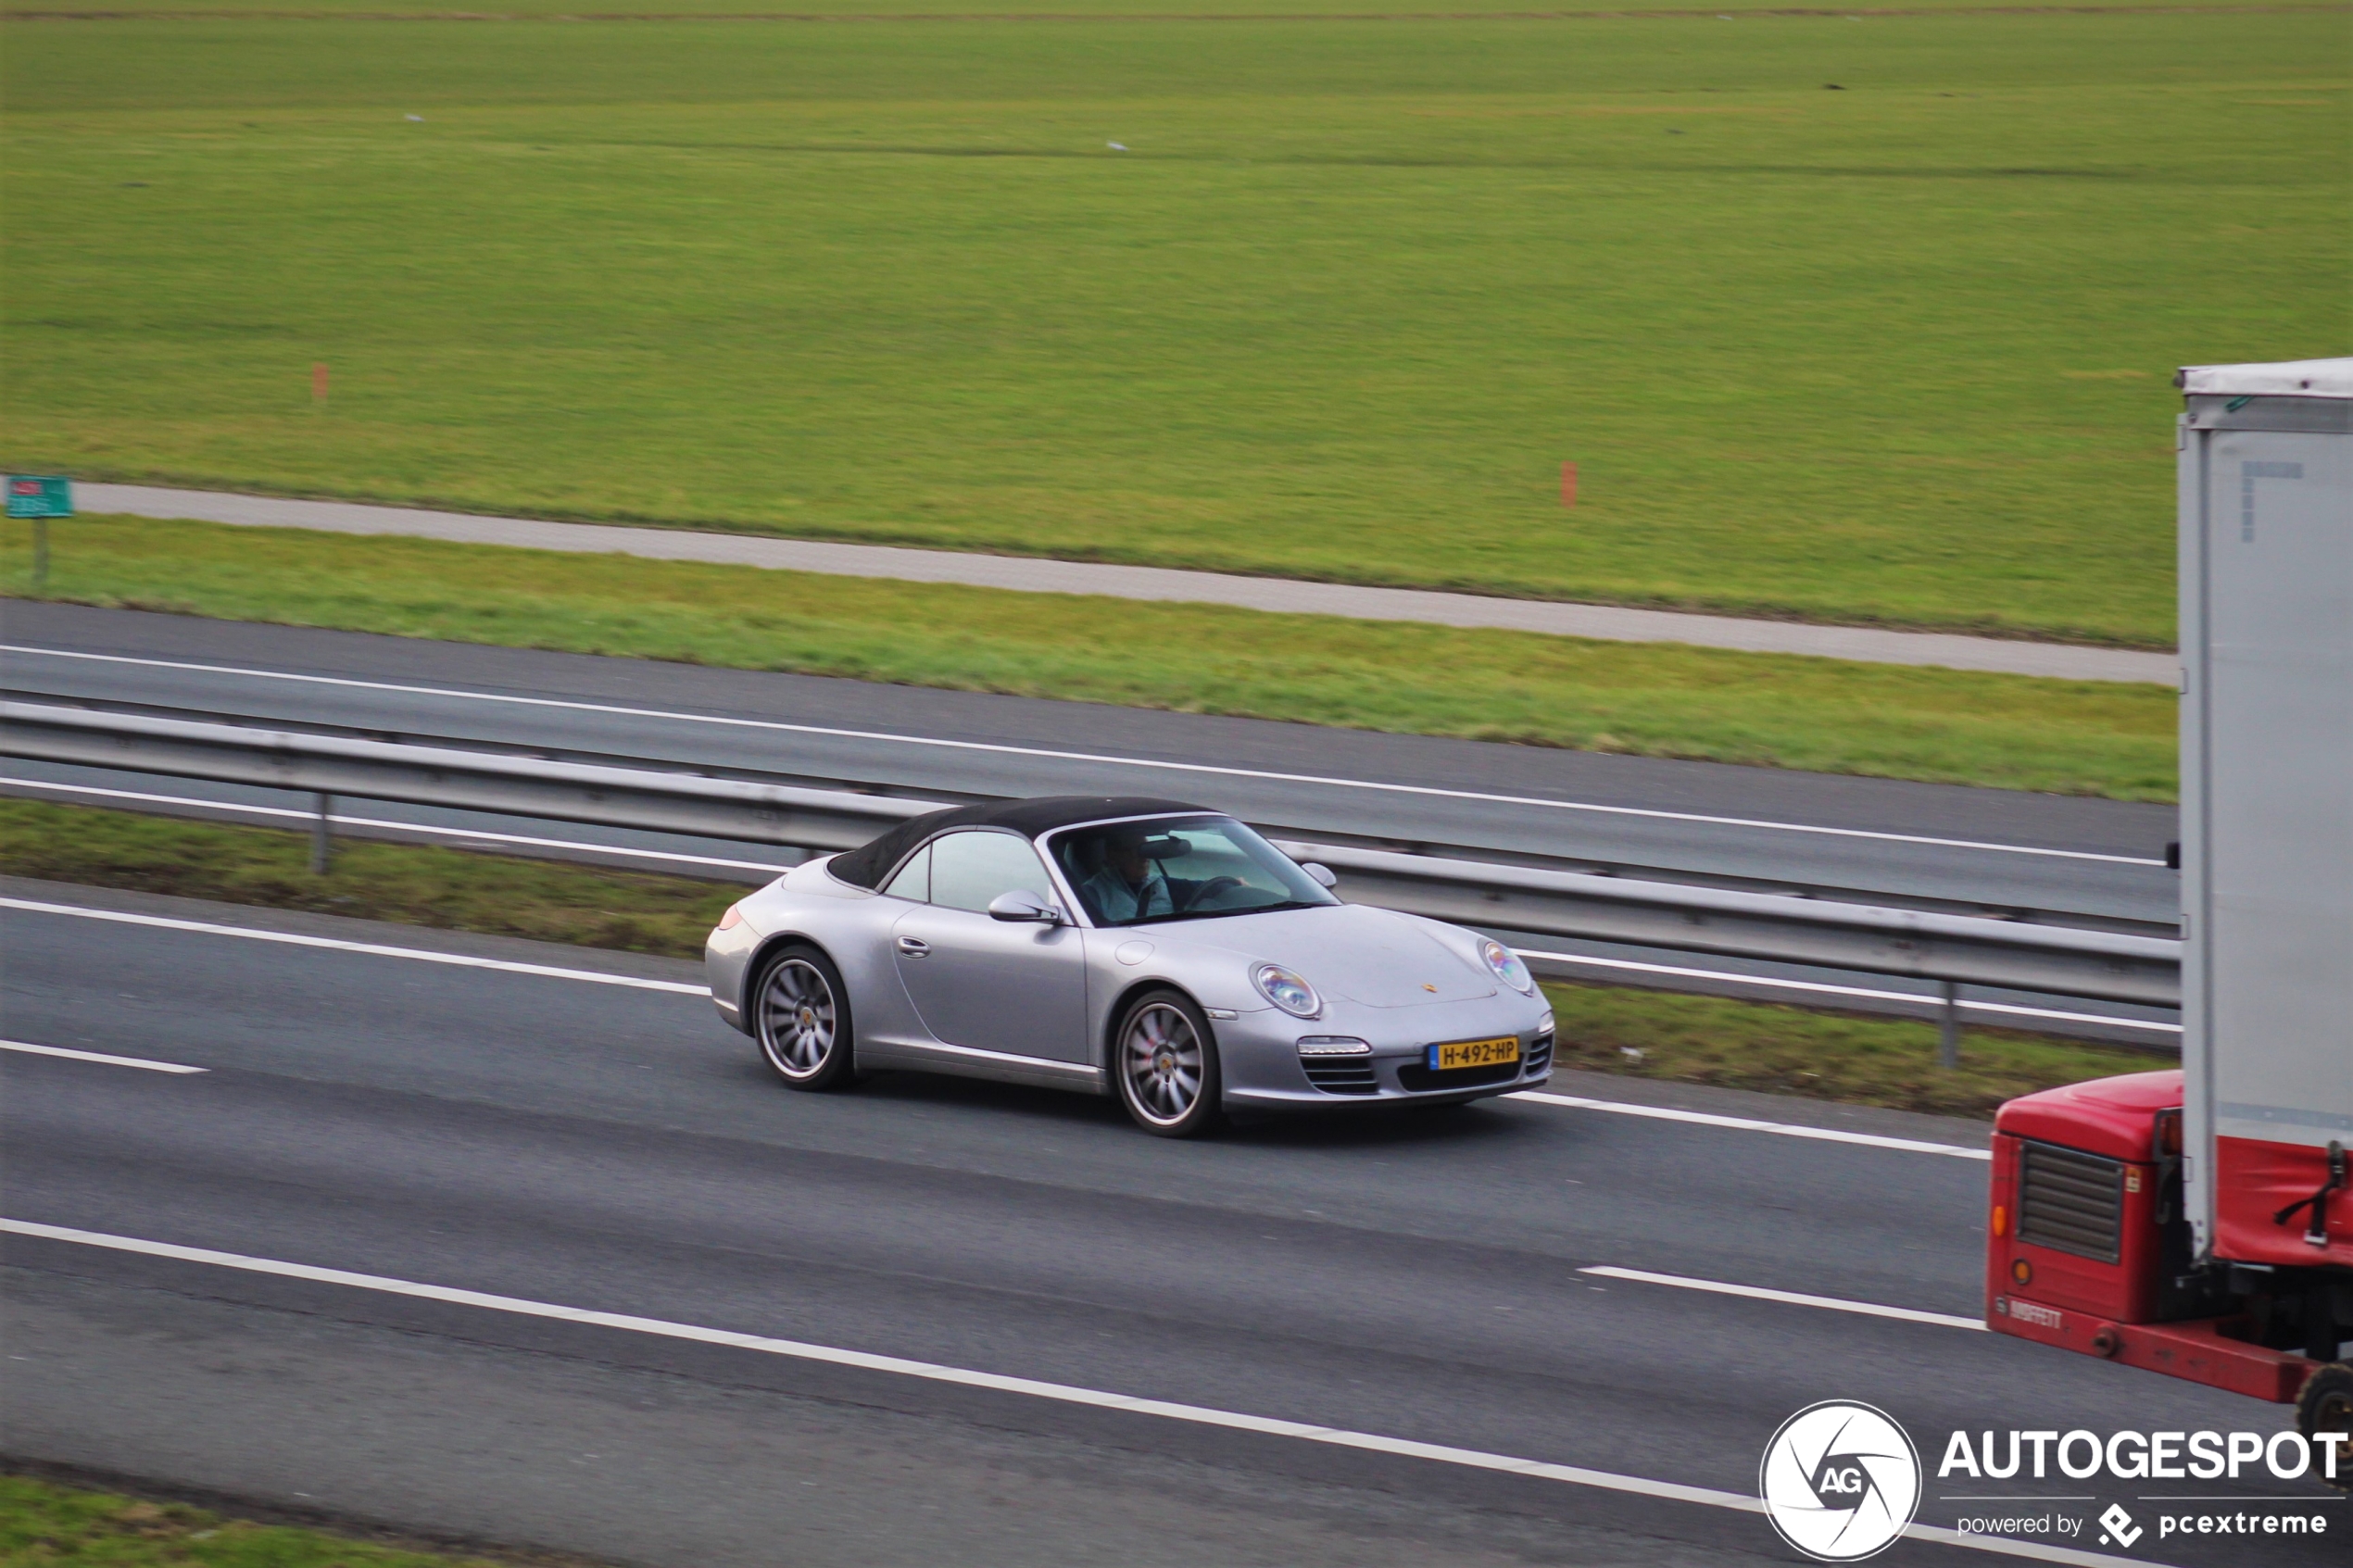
x=2327, y=1406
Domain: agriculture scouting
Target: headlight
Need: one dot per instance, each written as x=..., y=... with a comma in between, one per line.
x=1508, y=967
x=1287, y=991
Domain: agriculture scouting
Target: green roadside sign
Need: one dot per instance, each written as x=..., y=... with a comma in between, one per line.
x=38, y=494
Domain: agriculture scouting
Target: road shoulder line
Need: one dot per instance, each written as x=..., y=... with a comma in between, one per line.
x=374, y=950
x=625, y=710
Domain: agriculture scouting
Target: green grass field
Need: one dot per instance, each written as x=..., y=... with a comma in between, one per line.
x=1353, y=292
x=1655, y=700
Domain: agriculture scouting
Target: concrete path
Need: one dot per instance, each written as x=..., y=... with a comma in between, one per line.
x=1029, y=575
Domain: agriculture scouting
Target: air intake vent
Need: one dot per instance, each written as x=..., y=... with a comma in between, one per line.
x=1342, y=1076
x=2072, y=1203
x=1421, y=1080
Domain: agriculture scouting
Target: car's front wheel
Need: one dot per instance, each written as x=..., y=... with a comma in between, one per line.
x=1166, y=1065
x=800, y=1016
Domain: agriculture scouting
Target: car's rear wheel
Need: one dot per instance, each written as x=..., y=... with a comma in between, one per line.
x=800, y=1016
x=1166, y=1065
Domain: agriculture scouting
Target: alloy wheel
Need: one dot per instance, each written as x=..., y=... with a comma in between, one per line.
x=798, y=1018
x=1161, y=1057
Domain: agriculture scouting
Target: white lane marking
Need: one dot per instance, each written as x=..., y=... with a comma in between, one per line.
x=1791, y=1297
x=2006, y=1009
x=99, y=1057
x=421, y=955
x=1203, y=768
x=1062, y=1393
x=470, y=833
x=464, y=960
x=1749, y=1124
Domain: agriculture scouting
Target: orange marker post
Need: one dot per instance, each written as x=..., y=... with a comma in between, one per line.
x=318, y=382
x=1569, y=484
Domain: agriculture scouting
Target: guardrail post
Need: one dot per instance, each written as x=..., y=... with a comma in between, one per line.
x=321, y=834
x=1948, y=1029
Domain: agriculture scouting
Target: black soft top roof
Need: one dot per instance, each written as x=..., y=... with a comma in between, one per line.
x=866, y=865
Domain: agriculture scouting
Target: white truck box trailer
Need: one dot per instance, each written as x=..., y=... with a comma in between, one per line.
x=2200, y=1223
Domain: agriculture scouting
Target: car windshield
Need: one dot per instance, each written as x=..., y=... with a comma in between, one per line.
x=1181, y=868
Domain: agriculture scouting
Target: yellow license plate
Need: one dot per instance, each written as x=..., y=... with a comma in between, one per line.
x=1474, y=1053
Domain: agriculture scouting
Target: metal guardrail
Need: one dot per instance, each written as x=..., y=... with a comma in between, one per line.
x=506, y=782
x=1953, y=949
x=1958, y=949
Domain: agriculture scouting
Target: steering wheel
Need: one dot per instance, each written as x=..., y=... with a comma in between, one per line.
x=1214, y=886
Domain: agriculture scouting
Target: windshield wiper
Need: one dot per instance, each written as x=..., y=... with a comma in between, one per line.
x=1214, y=914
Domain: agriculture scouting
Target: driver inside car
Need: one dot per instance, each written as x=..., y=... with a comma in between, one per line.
x=1131, y=885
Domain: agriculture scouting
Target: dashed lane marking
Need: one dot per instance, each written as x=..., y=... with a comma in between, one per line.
x=99, y=1057
x=1788, y=1298
x=1751, y=1124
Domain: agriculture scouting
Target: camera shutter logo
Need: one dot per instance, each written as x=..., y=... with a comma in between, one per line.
x=1840, y=1481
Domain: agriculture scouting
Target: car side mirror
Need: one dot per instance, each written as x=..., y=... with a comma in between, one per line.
x=1322, y=873
x=1022, y=906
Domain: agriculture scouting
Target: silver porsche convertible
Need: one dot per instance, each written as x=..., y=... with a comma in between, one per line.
x=1147, y=949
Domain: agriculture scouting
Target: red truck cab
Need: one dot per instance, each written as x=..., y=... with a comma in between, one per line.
x=2090, y=1247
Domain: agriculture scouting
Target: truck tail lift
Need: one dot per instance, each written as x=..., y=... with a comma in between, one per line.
x=2200, y=1223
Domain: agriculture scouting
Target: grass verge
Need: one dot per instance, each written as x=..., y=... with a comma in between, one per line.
x=41, y=1523
x=1642, y=1033
x=1655, y=700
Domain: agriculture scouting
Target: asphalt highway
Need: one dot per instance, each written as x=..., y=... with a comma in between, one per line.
x=1973, y=849
x=576, y=1130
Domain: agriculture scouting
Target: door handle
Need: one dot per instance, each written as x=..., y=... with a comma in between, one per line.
x=912, y=946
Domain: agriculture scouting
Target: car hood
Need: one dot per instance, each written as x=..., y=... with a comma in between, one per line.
x=1349, y=952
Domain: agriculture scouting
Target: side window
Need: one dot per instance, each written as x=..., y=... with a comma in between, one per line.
x=968, y=870
x=914, y=880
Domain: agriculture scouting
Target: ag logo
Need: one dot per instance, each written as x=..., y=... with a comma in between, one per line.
x=1840, y=1481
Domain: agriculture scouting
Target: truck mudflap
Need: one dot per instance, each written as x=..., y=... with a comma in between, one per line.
x=2280, y=1203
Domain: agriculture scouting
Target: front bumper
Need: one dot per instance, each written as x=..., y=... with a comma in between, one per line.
x=1259, y=1053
